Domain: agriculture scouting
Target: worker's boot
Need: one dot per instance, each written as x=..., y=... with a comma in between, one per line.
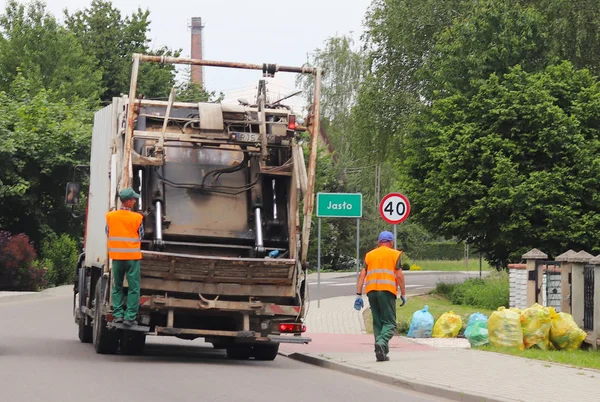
x=129, y=323
x=380, y=353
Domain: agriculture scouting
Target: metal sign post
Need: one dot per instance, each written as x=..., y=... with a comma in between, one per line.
x=319, y=266
x=337, y=205
x=357, y=246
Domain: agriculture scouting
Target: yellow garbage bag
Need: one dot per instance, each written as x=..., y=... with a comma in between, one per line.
x=565, y=334
x=504, y=328
x=447, y=326
x=535, y=322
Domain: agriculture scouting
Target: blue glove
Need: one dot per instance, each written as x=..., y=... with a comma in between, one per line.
x=358, y=303
x=403, y=300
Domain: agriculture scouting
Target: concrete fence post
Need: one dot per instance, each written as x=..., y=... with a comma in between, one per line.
x=530, y=260
x=578, y=261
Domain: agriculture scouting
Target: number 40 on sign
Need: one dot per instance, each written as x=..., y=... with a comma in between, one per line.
x=394, y=208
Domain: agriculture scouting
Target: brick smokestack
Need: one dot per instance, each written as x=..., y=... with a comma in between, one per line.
x=197, y=73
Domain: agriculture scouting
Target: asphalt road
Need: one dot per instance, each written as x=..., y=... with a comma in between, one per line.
x=41, y=359
x=416, y=283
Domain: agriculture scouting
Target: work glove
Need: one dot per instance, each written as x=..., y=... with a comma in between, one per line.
x=403, y=301
x=358, y=303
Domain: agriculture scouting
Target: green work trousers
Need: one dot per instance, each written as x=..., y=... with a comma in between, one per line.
x=383, y=309
x=131, y=269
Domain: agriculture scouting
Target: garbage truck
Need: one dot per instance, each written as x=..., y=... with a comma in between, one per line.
x=223, y=188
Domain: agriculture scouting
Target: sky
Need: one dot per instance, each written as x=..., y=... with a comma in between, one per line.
x=278, y=31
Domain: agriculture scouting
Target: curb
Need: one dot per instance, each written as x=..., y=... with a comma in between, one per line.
x=410, y=384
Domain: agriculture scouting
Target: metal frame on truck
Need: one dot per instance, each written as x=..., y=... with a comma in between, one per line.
x=262, y=300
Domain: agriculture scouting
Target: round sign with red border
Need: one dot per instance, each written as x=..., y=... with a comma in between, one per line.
x=394, y=208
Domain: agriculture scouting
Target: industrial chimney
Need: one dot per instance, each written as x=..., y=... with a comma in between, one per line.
x=197, y=73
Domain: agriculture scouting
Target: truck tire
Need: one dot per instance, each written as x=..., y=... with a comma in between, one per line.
x=265, y=351
x=239, y=351
x=105, y=340
x=86, y=332
x=132, y=343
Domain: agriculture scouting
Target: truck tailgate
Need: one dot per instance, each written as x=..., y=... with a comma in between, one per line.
x=216, y=275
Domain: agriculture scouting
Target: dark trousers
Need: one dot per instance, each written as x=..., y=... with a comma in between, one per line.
x=383, y=309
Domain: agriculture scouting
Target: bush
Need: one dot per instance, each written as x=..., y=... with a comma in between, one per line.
x=17, y=268
x=438, y=251
x=60, y=255
x=491, y=292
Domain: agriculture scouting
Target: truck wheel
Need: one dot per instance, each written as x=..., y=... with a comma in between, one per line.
x=105, y=341
x=239, y=352
x=265, y=351
x=86, y=332
x=132, y=343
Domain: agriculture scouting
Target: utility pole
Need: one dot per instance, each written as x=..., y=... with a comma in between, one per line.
x=377, y=184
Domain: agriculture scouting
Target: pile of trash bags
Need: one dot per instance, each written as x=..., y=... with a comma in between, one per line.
x=536, y=326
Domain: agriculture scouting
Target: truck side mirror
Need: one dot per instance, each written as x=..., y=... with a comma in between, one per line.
x=72, y=193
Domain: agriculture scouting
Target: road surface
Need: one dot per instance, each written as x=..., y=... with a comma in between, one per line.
x=41, y=359
x=416, y=283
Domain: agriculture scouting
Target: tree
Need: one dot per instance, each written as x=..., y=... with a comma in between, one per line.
x=112, y=39
x=47, y=55
x=399, y=39
x=495, y=36
x=513, y=165
x=41, y=140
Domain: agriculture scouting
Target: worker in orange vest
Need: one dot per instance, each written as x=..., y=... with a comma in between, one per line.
x=125, y=231
x=383, y=274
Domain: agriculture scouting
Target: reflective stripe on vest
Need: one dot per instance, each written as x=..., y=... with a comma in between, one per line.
x=381, y=270
x=123, y=235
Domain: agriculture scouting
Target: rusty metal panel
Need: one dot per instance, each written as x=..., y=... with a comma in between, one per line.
x=105, y=126
x=200, y=213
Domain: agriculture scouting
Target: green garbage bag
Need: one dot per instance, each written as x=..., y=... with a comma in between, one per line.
x=477, y=333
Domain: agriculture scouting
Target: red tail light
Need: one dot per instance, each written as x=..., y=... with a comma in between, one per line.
x=291, y=122
x=292, y=327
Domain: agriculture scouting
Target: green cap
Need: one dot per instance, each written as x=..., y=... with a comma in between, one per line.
x=127, y=194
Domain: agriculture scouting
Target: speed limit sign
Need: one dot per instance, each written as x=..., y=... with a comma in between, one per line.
x=394, y=208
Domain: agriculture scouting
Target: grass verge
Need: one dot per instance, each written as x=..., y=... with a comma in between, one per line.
x=575, y=358
x=437, y=306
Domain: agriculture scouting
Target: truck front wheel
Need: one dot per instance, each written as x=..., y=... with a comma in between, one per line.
x=105, y=340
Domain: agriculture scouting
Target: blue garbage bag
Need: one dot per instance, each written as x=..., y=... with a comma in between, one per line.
x=477, y=317
x=421, y=324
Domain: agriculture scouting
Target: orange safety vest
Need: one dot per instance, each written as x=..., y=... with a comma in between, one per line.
x=123, y=235
x=381, y=268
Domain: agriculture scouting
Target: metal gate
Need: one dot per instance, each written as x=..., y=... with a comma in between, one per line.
x=549, y=291
x=588, y=297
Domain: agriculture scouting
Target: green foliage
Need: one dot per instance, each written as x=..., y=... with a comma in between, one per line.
x=494, y=37
x=32, y=43
x=438, y=251
x=60, y=256
x=41, y=140
x=512, y=166
x=112, y=39
x=490, y=292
